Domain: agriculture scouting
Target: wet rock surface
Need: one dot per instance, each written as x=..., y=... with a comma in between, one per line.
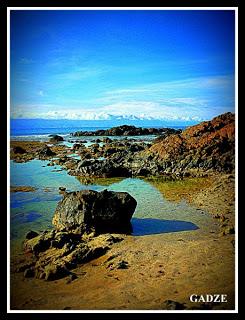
x=105, y=211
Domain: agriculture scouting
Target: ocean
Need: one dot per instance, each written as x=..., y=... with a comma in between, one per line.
x=30, y=127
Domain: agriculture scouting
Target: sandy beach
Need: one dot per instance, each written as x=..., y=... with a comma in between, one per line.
x=159, y=267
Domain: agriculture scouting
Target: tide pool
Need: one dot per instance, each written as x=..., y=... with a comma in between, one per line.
x=34, y=210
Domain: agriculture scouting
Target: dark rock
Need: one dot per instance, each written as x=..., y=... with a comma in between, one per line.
x=106, y=211
x=62, y=189
x=31, y=234
x=106, y=169
x=63, y=251
x=46, y=151
x=18, y=150
x=93, y=253
x=78, y=146
x=60, y=240
x=124, y=130
x=173, y=305
x=122, y=265
x=25, y=265
x=110, y=151
x=29, y=273
x=55, y=271
x=39, y=244
x=229, y=230
x=55, y=138
x=71, y=277
x=136, y=147
x=107, y=140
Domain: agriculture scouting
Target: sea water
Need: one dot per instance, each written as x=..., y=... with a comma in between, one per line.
x=34, y=210
x=40, y=127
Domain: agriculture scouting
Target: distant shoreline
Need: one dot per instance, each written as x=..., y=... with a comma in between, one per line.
x=26, y=127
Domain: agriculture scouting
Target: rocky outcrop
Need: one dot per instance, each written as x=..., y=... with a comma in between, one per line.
x=96, y=168
x=22, y=189
x=45, y=151
x=54, y=138
x=55, y=253
x=206, y=147
x=82, y=221
x=209, y=145
x=104, y=211
x=18, y=150
x=126, y=130
x=35, y=150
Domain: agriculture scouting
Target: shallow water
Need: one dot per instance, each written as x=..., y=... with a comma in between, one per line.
x=68, y=138
x=34, y=210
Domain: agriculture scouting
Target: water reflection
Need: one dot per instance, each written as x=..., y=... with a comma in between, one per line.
x=25, y=218
x=149, y=226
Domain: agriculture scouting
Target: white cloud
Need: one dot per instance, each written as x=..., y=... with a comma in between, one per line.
x=79, y=73
x=175, y=100
x=140, y=110
x=191, y=83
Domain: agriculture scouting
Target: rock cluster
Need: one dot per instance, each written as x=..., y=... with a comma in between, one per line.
x=125, y=130
x=53, y=254
x=206, y=147
x=83, y=220
x=23, y=151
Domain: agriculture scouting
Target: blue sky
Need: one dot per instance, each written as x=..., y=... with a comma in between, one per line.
x=170, y=65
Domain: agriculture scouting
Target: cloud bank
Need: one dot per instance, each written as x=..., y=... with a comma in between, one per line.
x=185, y=100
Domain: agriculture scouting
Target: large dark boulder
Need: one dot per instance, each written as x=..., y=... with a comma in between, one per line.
x=105, y=211
x=18, y=150
x=106, y=169
x=46, y=152
x=54, y=138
